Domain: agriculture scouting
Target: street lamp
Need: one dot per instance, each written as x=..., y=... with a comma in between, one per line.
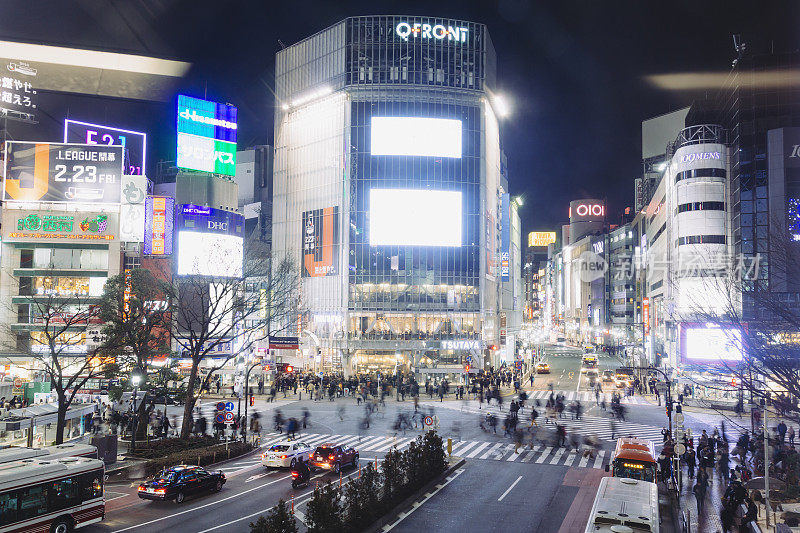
x=136, y=380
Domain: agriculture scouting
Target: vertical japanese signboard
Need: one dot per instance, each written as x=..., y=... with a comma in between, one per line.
x=159, y=216
x=320, y=242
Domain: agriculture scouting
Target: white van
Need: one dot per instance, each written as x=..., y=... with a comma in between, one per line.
x=624, y=504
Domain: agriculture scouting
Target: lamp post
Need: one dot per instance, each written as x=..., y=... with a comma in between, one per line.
x=136, y=380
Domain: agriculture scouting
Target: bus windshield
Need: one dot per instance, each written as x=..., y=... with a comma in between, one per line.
x=641, y=470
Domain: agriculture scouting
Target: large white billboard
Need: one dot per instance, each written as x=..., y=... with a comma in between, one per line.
x=210, y=254
x=711, y=344
x=414, y=217
x=437, y=137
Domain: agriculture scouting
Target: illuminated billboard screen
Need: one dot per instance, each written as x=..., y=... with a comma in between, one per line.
x=708, y=344
x=410, y=136
x=49, y=172
x=320, y=242
x=541, y=238
x=414, y=217
x=134, y=143
x=206, y=136
x=210, y=254
x=210, y=241
x=159, y=214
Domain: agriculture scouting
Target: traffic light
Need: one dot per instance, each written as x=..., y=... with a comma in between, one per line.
x=289, y=369
x=252, y=401
x=466, y=369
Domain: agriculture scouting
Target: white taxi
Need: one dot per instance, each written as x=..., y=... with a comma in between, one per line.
x=286, y=454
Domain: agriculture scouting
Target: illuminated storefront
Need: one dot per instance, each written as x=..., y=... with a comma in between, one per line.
x=388, y=189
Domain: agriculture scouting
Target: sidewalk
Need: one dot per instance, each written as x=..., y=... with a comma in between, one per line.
x=709, y=521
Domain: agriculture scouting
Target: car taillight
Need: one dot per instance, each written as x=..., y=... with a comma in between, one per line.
x=161, y=491
x=330, y=456
x=283, y=457
x=142, y=487
x=295, y=474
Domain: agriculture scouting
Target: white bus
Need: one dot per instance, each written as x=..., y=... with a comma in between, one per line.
x=55, y=496
x=17, y=453
x=625, y=502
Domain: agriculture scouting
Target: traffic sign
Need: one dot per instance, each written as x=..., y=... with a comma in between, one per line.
x=229, y=406
x=680, y=449
x=220, y=406
x=228, y=417
x=220, y=418
x=428, y=420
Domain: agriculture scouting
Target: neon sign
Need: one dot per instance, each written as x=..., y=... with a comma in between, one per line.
x=427, y=31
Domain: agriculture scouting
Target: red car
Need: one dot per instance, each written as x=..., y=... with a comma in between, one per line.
x=333, y=457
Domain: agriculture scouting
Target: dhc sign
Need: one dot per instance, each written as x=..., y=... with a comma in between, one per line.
x=426, y=31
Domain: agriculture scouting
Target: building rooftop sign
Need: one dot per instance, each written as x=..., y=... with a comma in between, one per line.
x=439, y=32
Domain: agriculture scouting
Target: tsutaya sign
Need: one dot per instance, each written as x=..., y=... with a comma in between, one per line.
x=461, y=345
x=427, y=31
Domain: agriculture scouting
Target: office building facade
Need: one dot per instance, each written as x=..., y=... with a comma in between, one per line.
x=388, y=193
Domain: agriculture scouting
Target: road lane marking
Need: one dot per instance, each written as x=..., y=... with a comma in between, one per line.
x=571, y=459
x=557, y=456
x=599, y=461
x=584, y=460
x=300, y=500
x=464, y=446
x=200, y=507
x=477, y=450
x=544, y=455
x=417, y=505
x=509, y=489
x=491, y=451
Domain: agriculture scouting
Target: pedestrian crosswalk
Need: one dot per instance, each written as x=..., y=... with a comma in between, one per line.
x=585, y=396
x=489, y=451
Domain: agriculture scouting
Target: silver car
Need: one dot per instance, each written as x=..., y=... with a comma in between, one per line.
x=286, y=454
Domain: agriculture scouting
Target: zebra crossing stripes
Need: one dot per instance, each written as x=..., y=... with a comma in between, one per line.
x=557, y=456
x=477, y=450
x=488, y=451
x=544, y=455
x=584, y=396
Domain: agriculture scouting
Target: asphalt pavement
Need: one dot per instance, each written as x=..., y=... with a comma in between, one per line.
x=531, y=489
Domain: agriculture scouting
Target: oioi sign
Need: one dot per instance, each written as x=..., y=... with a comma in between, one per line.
x=404, y=30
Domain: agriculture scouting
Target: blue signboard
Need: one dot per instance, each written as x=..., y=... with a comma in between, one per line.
x=207, y=119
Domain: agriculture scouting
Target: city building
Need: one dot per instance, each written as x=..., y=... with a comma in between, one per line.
x=389, y=194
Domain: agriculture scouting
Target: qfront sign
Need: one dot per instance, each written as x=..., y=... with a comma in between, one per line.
x=439, y=32
x=688, y=158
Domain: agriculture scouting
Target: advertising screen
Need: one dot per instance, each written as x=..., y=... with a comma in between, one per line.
x=209, y=254
x=409, y=136
x=206, y=136
x=47, y=172
x=134, y=143
x=541, y=238
x=702, y=343
x=210, y=241
x=159, y=214
x=414, y=217
x=320, y=242
x=17, y=87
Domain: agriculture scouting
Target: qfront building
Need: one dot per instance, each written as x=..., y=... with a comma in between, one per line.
x=391, y=195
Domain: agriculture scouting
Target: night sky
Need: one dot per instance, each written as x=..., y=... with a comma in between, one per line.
x=572, y=70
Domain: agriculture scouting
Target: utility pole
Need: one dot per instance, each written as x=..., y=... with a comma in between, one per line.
x=766, y=458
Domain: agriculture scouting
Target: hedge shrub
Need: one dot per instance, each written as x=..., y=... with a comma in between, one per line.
x=164, y=447
x=198, y=456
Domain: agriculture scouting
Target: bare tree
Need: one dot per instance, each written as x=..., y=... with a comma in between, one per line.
x=760, y=315
x=214, y=319
x=136, y=311
x=57, y=334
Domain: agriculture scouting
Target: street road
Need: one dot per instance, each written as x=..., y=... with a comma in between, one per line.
x=497, y=489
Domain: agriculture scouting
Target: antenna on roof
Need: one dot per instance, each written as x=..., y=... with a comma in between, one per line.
x=283, y=46
x=740, y=47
